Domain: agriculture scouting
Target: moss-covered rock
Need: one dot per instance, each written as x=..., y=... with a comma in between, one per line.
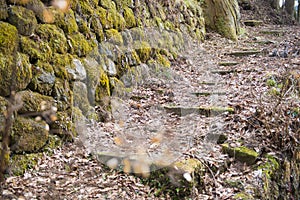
x=242, y=154
x=34, y=102
x=143, y=50
x=85, y=7
x=97, y=28
x=21, y=72
x=162, y=60
x=62, y=94
x=81, y=97
x=114, y=36
x=269, y=169
x=93, y=75
x=3, y=10
x=19, y=163
x=8, y=38
x=129, y=18
x=107, y=4
x=23, y=19
x=103, y=87
x=67, y=22
x=43, y=14
x=82, y=24
x=79, y=45
x=138, y=34
x=54, y=36
x=60, y=62
x=28, y=135
x=43, y=78
x=37, y=50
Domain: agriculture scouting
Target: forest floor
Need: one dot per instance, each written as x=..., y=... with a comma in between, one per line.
x=207, y=75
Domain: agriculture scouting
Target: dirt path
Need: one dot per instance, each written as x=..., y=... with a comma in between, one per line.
x=207, y=76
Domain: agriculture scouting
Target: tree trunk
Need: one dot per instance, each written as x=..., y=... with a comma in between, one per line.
x=275, y=4
x=223, y=16
x=290, y=7
x=298, y=11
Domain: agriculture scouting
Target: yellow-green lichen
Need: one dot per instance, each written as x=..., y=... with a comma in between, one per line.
x=54, y=36
x=108, y=4
x=60, y=61
x=86, y=7
x=103, y=88
x=143, y=50
x=79, y=45
x=97, y=28
x=129, y=17
x=20, y=74
x=162, y=60
x=114, y=36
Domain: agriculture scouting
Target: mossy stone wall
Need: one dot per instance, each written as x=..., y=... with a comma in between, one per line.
x=89, y=47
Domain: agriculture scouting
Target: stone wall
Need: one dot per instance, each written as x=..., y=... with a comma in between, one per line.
x=48, y=54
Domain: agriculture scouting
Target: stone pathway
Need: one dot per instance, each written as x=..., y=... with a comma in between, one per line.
x=212, y=84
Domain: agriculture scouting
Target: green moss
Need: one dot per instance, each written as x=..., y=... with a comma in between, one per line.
x=114, y=36
x=54, y=36
x=8, y=38
x=242, y=153
x=79, y=45
x=169, y=25
x=20, y=163
x=23, y=19
x=67, y=22
x=143, y=50
x=129, y=17
x=38, y=50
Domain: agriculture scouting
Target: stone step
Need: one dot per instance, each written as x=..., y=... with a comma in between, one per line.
x=206, y=111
